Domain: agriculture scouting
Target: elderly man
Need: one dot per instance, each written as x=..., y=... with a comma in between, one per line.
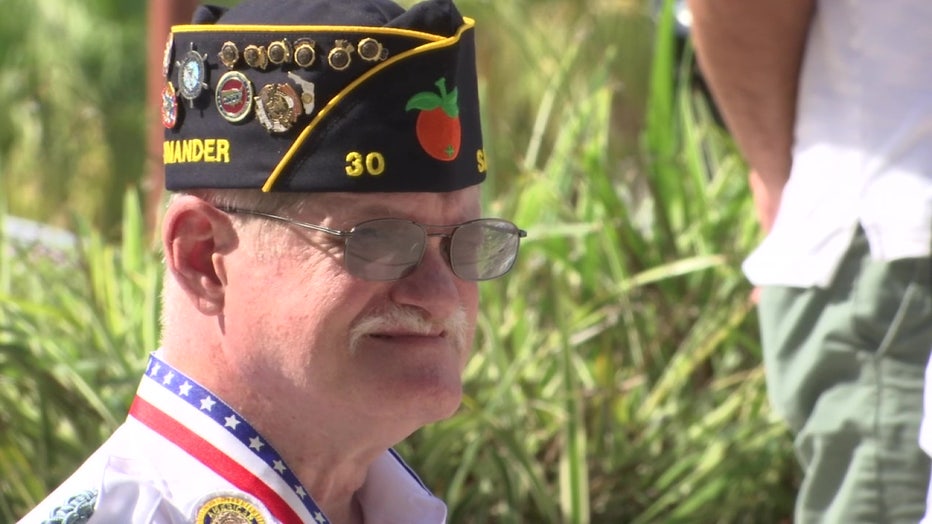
x=322, y=252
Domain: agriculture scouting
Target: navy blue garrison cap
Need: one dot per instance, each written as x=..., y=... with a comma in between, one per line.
x=323, y=95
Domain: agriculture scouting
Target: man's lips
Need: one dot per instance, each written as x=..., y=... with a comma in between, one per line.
x=408, y=334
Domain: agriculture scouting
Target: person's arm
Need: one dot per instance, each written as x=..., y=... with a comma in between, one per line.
x=750, y=53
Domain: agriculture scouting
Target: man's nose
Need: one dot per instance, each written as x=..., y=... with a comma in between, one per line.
x=432, y=286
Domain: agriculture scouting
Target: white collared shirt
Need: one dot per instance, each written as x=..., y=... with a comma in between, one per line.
x=184, y=456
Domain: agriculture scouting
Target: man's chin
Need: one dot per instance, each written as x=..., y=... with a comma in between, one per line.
x=434, y=403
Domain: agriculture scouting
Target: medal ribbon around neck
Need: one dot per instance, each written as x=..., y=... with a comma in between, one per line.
x=186, y=413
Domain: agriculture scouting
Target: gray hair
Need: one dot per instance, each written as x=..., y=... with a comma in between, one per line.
x=274, y=202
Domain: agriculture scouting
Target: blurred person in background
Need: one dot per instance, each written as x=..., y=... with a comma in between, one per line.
x=830, y=102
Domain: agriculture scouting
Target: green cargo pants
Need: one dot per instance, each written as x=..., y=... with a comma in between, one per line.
x=845, y=367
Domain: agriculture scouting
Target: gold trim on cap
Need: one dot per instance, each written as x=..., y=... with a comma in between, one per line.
x=286, y=29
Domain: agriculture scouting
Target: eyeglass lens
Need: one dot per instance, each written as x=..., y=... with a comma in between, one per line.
x=389, y=249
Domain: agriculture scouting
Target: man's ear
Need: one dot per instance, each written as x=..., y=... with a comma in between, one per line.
x=196, y=236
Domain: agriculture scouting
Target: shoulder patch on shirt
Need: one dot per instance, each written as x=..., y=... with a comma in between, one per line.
x=229, y=509
x=77, y=510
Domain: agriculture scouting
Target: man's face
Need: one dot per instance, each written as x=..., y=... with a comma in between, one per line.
x=313, y=338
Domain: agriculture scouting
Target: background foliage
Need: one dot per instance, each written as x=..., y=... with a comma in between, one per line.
x=616, y=376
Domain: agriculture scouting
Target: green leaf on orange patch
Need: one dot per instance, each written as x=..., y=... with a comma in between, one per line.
x=449, y=104
x=424, y=101
x=428, y=101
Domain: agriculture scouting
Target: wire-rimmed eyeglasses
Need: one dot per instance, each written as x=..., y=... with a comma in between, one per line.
x=386, y=249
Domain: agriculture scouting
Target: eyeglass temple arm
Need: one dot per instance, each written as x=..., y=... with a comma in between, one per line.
x=305, y=225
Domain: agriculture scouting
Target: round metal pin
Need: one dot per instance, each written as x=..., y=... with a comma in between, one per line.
x=304, y=53
x=371, y=50
x=278, y=107
x=229, y=54
x=340, y=57
x=280, y=52
x=192, y=75
x=256, y=56
x=234, y=96
x=234, y=508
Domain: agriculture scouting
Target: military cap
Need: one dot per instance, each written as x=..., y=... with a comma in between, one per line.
x=323, y=95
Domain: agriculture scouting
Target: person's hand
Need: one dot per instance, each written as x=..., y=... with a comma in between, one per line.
x=766, y=192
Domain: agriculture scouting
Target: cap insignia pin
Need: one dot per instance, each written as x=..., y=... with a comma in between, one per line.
x=340, y=57
x=256, y=56
x=192, y=73
x=169, y=106
x=234, y=96
x=280, y=52
x=304, y=53
x=229, y=54
x=371, y=50
x=277, y=107
x=307, y=92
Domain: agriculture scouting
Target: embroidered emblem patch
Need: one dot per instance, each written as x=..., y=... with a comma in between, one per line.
x=234, y=96
x=167, y=55
x=229, y=510
x=77, y=510
x=169, y=106
x=438, y=123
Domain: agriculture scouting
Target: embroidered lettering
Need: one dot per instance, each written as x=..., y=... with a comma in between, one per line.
x=354, y=164
x=372, y=164
x=196, y=150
